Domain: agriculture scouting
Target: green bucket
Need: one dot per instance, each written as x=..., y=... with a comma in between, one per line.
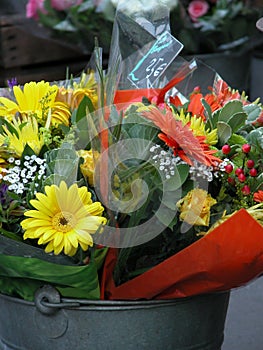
x=195, y=323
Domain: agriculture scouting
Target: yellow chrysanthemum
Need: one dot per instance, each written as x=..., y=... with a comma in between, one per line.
x=195, y=207
x=37, y=99
x=73, y=95
x=26, y=132
x=197, y=125
x=3, y=165
x=64, y=218
x=60, y=114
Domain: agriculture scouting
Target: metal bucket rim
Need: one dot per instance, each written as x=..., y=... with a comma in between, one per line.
x=89, y=304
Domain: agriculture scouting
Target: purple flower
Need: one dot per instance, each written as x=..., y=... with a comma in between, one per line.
x=12, y=82
x=3, y=190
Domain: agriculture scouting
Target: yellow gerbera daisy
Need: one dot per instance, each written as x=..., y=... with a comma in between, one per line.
x=197, y=125
x=64, y=218
x=28, y=99
x=37, y=99
x=26, y=133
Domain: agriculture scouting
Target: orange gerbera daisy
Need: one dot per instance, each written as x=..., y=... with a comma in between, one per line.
x=180, y=138
x=258, y=196
x=216, y=99
x=196, y=107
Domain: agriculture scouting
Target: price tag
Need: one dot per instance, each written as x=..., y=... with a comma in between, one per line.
x=156, y=61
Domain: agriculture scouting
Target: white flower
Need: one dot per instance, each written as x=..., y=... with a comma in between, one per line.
x=136, y=6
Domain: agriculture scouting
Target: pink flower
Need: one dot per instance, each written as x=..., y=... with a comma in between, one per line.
x=32, y=8
x=62, y=5
x=197, y=8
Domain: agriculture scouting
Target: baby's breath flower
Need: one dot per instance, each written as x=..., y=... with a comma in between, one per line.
x=165, y=160
x=21, y=176
x=201, y=171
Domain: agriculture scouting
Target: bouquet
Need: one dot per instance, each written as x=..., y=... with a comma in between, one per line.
x=140, y=182
x=74, y=23
x=203, y=26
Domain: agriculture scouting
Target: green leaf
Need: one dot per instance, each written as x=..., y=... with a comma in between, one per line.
x=85, y=106
x=214, y=118
x=9, y=127
x=208, y=113
x=171, y=198
x=237, y=121
x=165, y=218
x=62, y=164
x=27, y=152
x=177, y=180
x=236, y=140
x=253, y=111
x=10, y=235
x=224, y=132
x=229, y=109
x=22, y=276
x=255, y=137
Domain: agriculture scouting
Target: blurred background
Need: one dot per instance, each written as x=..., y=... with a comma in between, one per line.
x=38, y=42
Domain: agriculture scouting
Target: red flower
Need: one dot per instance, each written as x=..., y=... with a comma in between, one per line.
x=32, y=8
x=197, y=8
x=258, y=196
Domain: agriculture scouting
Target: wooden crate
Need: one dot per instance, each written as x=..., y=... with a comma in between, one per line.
x=48, y=72
x=20, y=47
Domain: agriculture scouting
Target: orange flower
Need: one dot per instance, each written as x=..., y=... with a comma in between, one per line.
x=218, y=97
x=196, y=107
x=180, y=138
x=258, y=196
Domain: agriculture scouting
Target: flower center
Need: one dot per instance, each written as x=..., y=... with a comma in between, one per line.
x=63, y=221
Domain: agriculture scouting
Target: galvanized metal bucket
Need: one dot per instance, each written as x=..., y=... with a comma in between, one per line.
x=195, y=323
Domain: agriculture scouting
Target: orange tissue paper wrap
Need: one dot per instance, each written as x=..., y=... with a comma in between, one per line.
x=228, y=257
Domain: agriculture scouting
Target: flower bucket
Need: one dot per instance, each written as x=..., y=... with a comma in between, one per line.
x=53, y=323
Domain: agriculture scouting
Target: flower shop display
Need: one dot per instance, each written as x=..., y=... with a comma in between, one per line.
x=73, y=22
x=221, y=32
x=139, y=187
x=216, y=26
x=203, y=26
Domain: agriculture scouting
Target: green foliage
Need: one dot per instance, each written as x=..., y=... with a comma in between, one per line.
x=228, y=120
x=62, y=164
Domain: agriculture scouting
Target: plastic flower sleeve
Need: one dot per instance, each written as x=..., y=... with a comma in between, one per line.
x=202, y=77
x=103, y=124
x=143, y=56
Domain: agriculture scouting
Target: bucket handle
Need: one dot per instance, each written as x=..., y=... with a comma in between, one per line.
x=48, y=302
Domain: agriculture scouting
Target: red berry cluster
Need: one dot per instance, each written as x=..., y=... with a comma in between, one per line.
x=243, y=174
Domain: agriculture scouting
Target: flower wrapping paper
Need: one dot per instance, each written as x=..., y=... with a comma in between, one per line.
x=228, y=257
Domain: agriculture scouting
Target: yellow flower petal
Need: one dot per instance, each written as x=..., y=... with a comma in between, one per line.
x=64, y=218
